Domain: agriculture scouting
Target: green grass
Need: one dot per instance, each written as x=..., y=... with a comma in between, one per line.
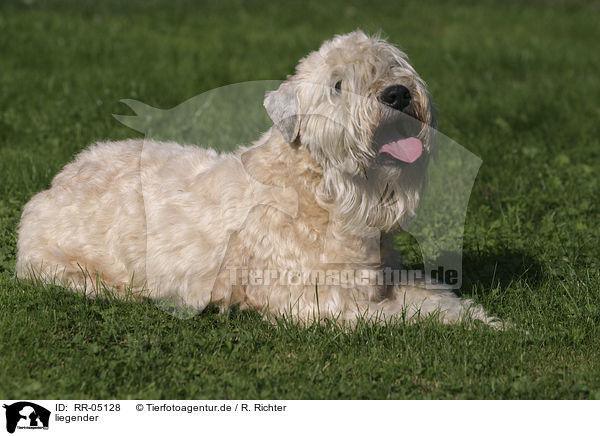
x=516, y=83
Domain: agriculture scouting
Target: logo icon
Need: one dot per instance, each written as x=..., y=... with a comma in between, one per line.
x=26, y=415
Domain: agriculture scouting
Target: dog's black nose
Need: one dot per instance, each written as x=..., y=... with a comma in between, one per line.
x=397, y=97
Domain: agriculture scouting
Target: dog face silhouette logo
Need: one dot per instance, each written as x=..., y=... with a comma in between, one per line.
x=26, y=415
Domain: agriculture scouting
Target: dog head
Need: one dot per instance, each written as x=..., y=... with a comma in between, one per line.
x=365, y=116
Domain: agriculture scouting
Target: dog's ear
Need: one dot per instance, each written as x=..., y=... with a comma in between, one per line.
x=431, y=137
x=282, y=107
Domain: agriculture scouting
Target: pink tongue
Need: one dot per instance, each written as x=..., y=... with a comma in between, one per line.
x=407, y=150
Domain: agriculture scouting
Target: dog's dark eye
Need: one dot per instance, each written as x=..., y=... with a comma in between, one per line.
x=338, y=86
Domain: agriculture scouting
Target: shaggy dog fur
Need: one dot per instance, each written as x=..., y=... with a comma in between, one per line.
x=175, y=221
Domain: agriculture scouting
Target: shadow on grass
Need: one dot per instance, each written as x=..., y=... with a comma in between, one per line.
x=487, y=271
x=480, y=270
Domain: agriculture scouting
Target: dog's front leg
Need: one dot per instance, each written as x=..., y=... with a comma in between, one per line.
x=418, y=302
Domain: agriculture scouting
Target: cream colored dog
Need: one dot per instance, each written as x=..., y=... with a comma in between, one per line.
x=182, y=222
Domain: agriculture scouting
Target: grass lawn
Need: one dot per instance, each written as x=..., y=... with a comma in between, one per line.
x=516, y=83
